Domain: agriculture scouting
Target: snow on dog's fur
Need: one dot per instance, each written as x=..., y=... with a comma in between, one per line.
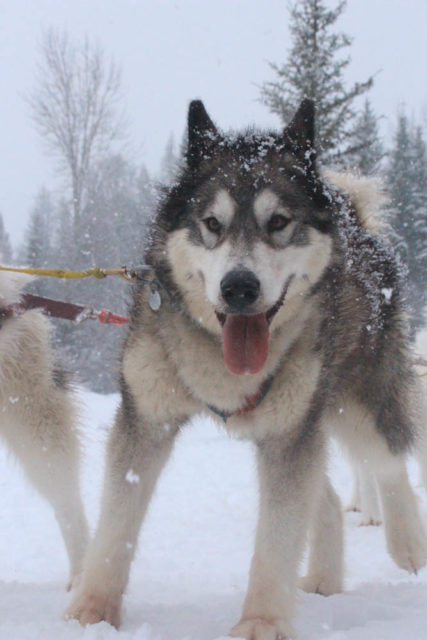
x=38, y=416
x=282, y=312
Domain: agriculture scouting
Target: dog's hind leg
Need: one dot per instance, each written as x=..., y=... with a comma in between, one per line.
x=420, y=451
x=44, y=439
x=369, y=505
x=405, y=533
x=136, y=455
x=365, y=494
x=325, y=565
x=404, y=529
x=421, y=456
x=355, y=500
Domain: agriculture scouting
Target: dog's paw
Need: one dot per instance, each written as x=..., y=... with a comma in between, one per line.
x=90, y=609
x=259, y=629
x=353, y=506
x=369, y=521
x=325, y=586
x=408, y=548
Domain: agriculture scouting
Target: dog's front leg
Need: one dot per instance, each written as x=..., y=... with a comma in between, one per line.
x=288, y=478
x=136, y=455
x=325, y=565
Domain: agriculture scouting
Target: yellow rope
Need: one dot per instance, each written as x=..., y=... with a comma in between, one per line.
x=95, y=272
x=123, y=272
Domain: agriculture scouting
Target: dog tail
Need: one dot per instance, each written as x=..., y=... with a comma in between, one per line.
x=368, y=196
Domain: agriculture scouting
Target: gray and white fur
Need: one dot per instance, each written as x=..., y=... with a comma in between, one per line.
x=268, y=271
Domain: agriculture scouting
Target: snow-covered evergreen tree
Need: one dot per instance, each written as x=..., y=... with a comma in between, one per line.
x=314, y=69
x=407, y=180
x=367, y=149
x=5, y=246
x=399, y=181
x=111, y=232
x=39, y=231
x=170, y=163
x=420, y=209
x=36, y=250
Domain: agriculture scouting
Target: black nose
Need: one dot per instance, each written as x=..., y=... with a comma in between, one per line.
x=240, y=289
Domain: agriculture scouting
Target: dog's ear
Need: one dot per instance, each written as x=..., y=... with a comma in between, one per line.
x=202, y=135
x=299, y=134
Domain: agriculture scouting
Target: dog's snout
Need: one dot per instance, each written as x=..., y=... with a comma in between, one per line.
x=240, y=289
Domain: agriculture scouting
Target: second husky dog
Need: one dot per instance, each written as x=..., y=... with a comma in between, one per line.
x=38, y=417
x=281, y=313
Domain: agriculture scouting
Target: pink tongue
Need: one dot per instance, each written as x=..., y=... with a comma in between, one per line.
x=245, y=343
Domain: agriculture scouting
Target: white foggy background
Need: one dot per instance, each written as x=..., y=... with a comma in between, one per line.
x=171, y=51
x=189, y=577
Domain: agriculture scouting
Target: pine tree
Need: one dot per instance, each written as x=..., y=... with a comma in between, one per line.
x=5, y=246
x=169, y=164
x=38, y=234
x=407, y=180
x=147, y=204
x=314, y=70
x=36, y=250
x=367, y=148
x=111, y=232
x=399, y=181
x=419, y=195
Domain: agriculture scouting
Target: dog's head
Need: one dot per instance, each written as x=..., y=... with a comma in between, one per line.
x=247, y=228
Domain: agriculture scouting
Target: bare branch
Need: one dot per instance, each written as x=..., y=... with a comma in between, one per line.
x=75, y=107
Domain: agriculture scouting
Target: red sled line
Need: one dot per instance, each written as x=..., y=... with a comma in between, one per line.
x=64, y=310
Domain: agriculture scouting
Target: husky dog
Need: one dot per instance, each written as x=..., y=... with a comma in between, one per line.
x=281, y=314
x=38, y=418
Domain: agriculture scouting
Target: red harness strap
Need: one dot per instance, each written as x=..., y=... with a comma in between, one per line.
x=60, y=309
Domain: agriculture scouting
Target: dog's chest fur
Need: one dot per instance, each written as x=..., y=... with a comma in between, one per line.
x=194, y=360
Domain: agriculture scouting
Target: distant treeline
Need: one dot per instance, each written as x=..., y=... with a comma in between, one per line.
x=107, y=200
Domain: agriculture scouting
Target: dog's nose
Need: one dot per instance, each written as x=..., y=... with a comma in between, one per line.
x=240, y=289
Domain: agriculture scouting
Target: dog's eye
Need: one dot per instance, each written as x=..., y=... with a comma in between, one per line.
x=277, y=222
x=213, y=225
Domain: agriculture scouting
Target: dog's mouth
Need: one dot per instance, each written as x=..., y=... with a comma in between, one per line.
x=245, y=337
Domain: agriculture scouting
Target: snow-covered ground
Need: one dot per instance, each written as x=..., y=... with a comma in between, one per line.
x=188, y=580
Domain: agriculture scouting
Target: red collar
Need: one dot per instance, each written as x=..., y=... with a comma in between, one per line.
x=252, y=402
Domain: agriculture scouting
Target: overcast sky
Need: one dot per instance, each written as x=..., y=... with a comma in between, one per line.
x=171, y=51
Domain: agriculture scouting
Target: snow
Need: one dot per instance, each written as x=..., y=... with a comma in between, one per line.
x=189, y=577
x=132, y=477
x=387, y=293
